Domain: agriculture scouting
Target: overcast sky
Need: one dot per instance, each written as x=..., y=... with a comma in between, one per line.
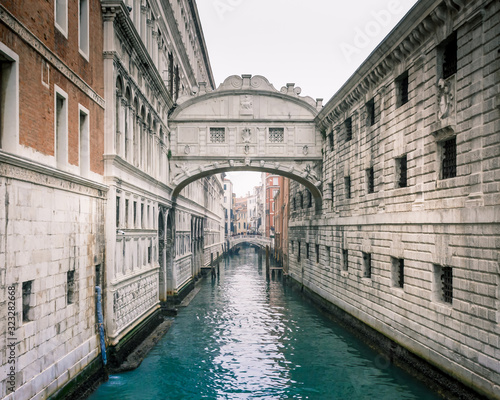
x=316, y=44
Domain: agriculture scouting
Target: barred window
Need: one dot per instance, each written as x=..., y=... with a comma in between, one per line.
x=449, y=159
x=217, y=135
x=307, y=251
x=398, y=272
x=330, y=140
x=402, y=89
x=347, y=184
x=317, y=253
x=402, y=171
x=276, y=135
x=345, y=259
x=447, y=284
x=448, y=51
x=28, y=301
x=370, y=112
x=70, y=286
x=370, y=180
x=348, y=129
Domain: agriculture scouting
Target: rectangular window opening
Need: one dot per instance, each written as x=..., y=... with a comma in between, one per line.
x=70, y=287
x=367, y=264
x=61, y=129
x=307, y=251
x=317, y=253
x=83, y=27
x=398, y=272
x=27, y=301
x=449, y=57
x=345, y=259
x=370, y=180
x=84, y=143
x=370, y=113
x=330, y=140
x=402, y=89
x=447, y=284
x=348, y=129
x=449, y=158
x=347, y=184
x=61, y=16
x=402, y=172
x=276, y=135
x=117, y=211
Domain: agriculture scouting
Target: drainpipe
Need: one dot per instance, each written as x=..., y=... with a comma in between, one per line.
x=100, y=324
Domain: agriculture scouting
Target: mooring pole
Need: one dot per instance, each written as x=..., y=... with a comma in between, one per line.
x=212, y=269
x=267, y=260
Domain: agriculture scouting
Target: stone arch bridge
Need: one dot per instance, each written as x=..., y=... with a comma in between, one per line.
x=256, y=240
x=246, y=125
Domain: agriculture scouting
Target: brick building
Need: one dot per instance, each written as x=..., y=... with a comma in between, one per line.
x=53, y=196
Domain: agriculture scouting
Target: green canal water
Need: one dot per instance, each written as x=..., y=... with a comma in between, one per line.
x=246, y=337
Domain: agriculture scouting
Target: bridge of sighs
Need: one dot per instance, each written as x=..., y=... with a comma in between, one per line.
x=246, y=124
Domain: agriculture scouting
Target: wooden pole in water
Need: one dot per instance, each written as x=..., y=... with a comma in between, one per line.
x=267, y=260
x=212, y=269
x=218, y=270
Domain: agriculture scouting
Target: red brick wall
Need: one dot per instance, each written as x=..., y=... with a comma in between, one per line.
x=36, y=101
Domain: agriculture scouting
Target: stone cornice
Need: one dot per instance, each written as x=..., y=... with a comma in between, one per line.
x=118, y=10
x=27, y=170
x=27, y=36
x=422, y=20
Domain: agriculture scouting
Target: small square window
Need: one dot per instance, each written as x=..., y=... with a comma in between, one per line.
x=370, y=112
x=276, y=135
x=217, y=135
x=402, y=89
x=401, y=172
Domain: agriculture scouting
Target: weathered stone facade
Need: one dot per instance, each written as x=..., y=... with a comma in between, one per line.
x=407, y=238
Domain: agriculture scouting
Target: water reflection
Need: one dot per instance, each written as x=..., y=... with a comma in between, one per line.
x=246, y=337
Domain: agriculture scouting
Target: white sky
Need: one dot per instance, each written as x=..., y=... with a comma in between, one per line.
x=316, y=44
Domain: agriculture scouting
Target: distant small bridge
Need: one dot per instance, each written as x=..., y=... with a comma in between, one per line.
x=255, y=240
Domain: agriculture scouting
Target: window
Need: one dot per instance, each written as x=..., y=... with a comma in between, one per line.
x=345, y=259
x=370, y=180
x=307, y=251
x=309, y=199
x=301, y=197
x=443, y=279
x=98, y=275
x=9, y=99
x=347, y=185
x=401, y=172
x=370, y=113
x=135, y=214
x=84, y=141
x=298, y=251
x=330, y=140
x=317, y=253
x=83, y=28
x=70, y=287
x=117, y=211
x=61, y=127
x=328, y=254
x=447, y=55
x=367, y=265
x=276, y=135
x=126, y=212
x=348, y=129
x=28, y=301
x=398, y=272
x=217, y=135
x=61, y=16
x=142, y=216
x=449, y=158
x=402, y=89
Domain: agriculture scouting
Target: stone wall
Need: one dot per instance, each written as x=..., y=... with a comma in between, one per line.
x=52, y=241
x=403, y=210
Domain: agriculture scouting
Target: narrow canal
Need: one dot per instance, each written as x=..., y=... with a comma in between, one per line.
x=244, y=337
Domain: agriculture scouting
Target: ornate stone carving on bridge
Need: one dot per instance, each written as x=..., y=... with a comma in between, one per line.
x=246, y=105
x=246, y=135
